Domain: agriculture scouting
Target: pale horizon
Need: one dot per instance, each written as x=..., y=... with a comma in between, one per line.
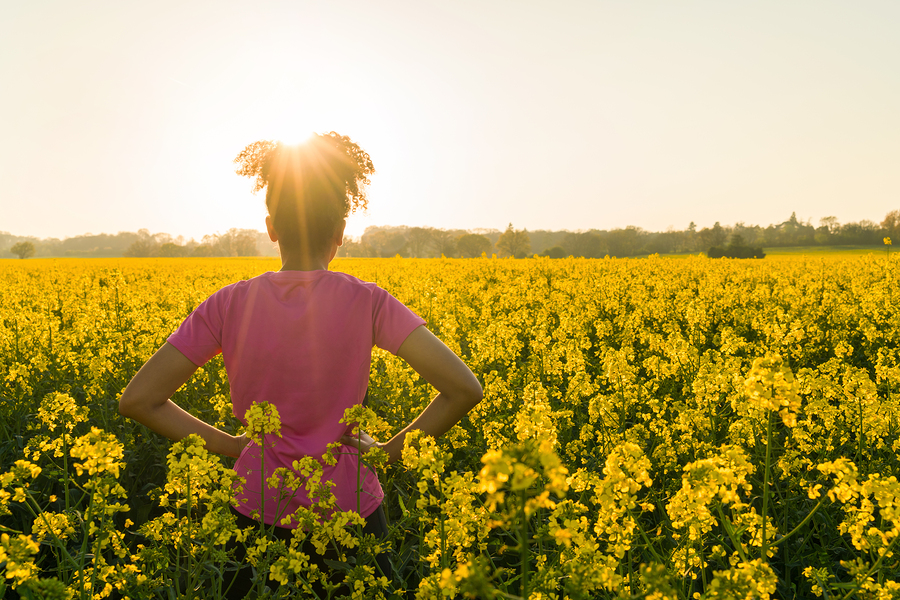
x=576, y=116
x=357, y=236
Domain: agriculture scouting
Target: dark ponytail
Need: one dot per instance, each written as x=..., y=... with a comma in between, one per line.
x=310, y=188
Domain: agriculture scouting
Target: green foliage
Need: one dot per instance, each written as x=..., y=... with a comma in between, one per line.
x=514, y=242
x=554, y=252
x=585, y=244
x=172, y=250
x=472, y=245
x=23, y=249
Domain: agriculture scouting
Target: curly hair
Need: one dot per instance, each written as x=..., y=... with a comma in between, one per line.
x=310, y=188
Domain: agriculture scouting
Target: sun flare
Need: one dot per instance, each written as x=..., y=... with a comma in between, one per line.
x=295, y=139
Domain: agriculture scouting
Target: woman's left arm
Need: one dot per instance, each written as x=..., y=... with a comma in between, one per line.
x=146, y=400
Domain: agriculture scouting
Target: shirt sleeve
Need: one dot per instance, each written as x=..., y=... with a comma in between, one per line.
x=392, y=321
x=199, y=337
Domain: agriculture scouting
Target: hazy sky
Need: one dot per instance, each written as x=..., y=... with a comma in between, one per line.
x=553, y=115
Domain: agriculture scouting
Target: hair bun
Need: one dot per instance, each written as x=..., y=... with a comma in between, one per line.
x=346, y=162
x=255, y=161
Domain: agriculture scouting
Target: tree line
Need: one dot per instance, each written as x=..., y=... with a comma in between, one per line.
x=423, y=242
x=737, y=240
x=234, y=242
x=428, y=242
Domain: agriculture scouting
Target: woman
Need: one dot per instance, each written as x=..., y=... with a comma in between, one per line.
x=301, y=339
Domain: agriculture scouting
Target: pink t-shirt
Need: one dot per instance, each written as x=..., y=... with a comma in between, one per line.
x=301, y=340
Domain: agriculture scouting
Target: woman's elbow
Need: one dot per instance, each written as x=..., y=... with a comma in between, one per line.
x=465, y=395
x=125, y=407
x=473, y=394
x=130, y=405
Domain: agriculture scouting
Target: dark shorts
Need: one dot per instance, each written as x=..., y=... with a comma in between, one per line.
x=241, y=580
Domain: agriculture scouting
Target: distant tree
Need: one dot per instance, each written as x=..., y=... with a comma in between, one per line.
x=472, y=245
x=624, y=242
x=830, y=224
x=586, y=244
x=202, y=250
x=515, y=243
x=417, y=241
x=23, y=249
x=690, y=241
x=141, y=248
x=864, y=232
x=144, y=245
x=794, y=232
x=714, y=236
x=665, y=242
x=719, y=233
x=542, y=239
x=385, y=243
x=171, y=249
x=245, y=243
x=891, y=224
x=735, y=249
x=443, y=242
x=234, y=242
x=792, y=222
x=554, y=252
x=351, y=248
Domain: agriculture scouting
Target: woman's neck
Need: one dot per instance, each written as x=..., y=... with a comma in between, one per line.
x=303, y=263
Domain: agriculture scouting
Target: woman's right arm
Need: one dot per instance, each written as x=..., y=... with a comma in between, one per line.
x=458, y=389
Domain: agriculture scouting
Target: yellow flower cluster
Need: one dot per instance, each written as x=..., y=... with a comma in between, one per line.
x=531, y=471
x=746, y=581
x=660, y=428
x=16, y=554
x=99, y=451
x=770, y=386
x=262, y=419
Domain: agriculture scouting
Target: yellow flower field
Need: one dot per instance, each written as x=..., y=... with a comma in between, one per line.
x=651, y=428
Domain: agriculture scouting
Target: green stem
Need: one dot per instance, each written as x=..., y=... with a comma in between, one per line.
x=358, y=469
x=703, y=568
x=97, y=548
x=66, y=469
x=631, y=582
x=859, y=438
x=444, y=561
x=523, y=545
x=765, y=507
x=734, y=540
x=84, y=546
x=640, y=528
x=797, y=528
x=175, y=578
x=262, y=506
x=507, y=596
x=262, y=484
x=190, y=566
x=57, y=542
x=280, y=508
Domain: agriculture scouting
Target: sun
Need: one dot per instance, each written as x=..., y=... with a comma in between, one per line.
x=295, y=139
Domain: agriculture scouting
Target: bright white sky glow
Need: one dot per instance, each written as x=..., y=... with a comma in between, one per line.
x=566, y=115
